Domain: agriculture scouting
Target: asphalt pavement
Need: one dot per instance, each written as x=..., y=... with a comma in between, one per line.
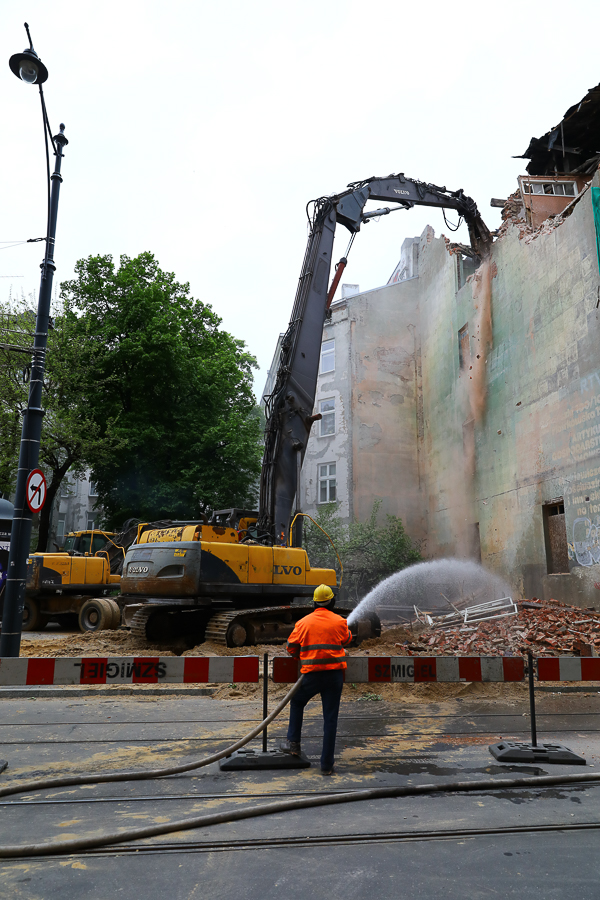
x=490, y=843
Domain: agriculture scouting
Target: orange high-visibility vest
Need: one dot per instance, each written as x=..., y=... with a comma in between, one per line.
x=319, y=640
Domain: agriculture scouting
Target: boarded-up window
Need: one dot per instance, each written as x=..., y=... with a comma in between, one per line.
x=474, y=542
x=464, y=352
x=555, y=534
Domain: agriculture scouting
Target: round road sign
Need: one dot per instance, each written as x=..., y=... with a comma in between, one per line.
x=35, y=490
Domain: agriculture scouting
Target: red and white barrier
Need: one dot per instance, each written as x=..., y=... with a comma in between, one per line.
x=568, y=668
x=416, y=669
x=129, y=670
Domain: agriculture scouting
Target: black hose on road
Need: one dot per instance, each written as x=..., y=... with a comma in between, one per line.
x=248, y=812
x=141, y=774
x=266, y=809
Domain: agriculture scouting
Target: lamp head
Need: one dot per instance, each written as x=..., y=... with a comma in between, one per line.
x=27, y=65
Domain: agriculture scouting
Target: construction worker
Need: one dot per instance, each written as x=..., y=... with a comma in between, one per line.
x=318, y=640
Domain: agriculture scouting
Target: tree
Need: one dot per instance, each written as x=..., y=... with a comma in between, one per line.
x=170, y=385
x=369, y=552
x=70, y=437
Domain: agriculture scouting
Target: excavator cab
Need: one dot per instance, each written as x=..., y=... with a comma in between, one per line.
x=244, y=521
x=82, y=542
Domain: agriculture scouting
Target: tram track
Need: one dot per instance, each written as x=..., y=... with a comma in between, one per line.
x=316, y=737
x=103, y=723
x=194, y=798
x=361, y=839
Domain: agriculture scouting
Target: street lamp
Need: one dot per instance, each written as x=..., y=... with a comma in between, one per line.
x=28, y=67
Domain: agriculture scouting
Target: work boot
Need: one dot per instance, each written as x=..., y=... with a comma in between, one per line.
x=292, y=747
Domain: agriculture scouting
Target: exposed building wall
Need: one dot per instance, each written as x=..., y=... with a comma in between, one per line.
x=375, y=384
x=385, y=363
x=526, y=418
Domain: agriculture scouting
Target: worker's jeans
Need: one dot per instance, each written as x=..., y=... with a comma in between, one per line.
x=329, y=685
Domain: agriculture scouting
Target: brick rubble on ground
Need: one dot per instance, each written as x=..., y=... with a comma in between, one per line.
x=542, y=628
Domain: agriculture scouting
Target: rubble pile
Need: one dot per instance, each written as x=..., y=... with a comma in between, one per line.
x=542, y=628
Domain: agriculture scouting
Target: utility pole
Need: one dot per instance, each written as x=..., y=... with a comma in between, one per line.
x=29, y=68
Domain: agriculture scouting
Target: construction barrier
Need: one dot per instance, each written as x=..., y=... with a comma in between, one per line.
x=129, y=670
x=245, y=669
x=568, y=668
x=416, y=669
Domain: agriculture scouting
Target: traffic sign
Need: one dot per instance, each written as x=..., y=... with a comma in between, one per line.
x=35, y=490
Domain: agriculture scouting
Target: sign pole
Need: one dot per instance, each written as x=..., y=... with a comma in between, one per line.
x=14, y=597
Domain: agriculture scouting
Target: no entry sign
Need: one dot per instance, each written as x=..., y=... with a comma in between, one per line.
x=35, y=491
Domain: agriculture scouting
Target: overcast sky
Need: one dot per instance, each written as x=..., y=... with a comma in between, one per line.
x=199, y=130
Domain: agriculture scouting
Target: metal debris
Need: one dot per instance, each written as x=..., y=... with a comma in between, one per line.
x=494, y=609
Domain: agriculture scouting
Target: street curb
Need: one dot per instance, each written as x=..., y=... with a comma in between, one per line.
x=115, y=691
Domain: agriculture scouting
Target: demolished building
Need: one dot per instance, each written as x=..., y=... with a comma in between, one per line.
x=467, y=396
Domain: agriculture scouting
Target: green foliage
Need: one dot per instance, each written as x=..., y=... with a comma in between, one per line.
x=170, y=385
x=70, y=436
x=369, y=552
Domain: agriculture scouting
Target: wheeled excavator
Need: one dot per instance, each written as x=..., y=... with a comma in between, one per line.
x=243, y=577
x=72, y=585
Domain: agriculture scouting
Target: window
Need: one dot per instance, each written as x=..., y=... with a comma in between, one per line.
x=464, y=351
x=60, y=530
x=555, y=536
x=327, y=410
x=93, y=489
x=327, y=483
x=91, y=521
x=65, y=488
x=327, y=356
x=555, y=188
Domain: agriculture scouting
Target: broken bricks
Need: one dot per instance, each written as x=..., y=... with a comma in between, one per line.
x=547, y=628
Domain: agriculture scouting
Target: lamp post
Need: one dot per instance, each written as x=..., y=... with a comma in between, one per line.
x=29, y=68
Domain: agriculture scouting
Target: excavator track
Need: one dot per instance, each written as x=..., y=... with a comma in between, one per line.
x=139, y=621
x=234, y=628
x=217, y=627
x=268, y=624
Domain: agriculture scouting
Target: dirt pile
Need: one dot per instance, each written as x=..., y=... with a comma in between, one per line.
x=122, y=643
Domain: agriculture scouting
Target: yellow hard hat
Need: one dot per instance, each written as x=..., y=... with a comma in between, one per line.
x=322, y=594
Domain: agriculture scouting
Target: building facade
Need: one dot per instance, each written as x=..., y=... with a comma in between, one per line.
x=74, y=509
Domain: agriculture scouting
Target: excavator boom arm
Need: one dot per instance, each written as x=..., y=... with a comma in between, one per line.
x=289, y=408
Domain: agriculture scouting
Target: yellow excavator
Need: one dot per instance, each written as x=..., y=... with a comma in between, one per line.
x=216, y=582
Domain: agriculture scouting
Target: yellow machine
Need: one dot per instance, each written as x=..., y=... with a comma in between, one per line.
x=215, y=582
x=67, y=586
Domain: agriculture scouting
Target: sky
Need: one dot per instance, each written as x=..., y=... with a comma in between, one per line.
x=198, y=131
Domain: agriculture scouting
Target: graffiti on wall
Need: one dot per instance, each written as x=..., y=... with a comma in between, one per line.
x=585, y=548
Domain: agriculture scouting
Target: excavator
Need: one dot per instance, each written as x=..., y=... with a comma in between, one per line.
x=242, y=577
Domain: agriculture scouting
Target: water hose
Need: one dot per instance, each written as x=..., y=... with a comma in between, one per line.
x=142, y=774
x=266, y=809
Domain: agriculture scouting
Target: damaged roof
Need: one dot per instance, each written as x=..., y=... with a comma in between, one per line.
x=573, y=146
